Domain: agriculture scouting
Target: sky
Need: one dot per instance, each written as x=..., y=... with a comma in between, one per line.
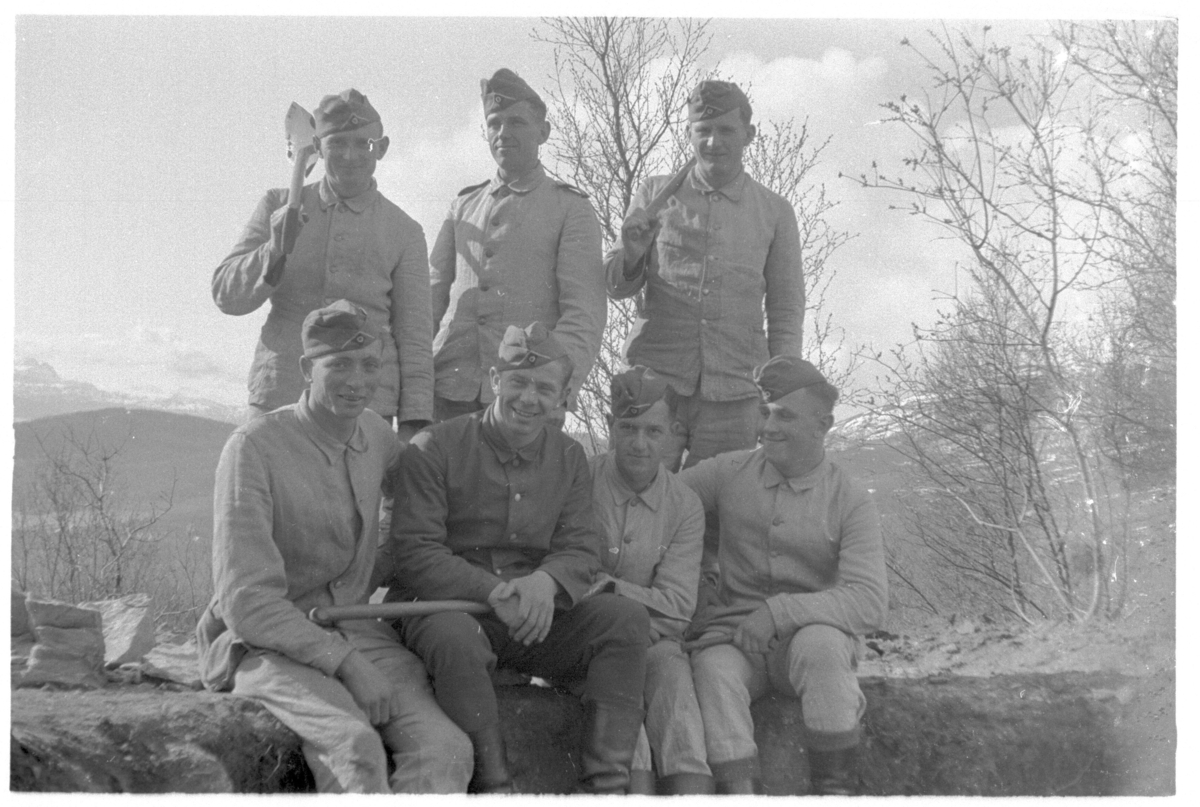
x=142, y=145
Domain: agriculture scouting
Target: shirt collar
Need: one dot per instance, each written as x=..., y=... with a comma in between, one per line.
x=772, y=478
x=356, y=203
x=652, y=496
x=505, y=452
x=330, y=446
x=522, y=184
x=733, y=190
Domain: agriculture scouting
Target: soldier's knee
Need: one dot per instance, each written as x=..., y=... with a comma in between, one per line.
x=821, y=647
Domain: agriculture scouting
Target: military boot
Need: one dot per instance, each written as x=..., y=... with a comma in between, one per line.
x=833, y=773
x=491, y=763
x=609, y=739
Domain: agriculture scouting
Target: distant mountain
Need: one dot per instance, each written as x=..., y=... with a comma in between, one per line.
x=39, y=392
x=157, y=450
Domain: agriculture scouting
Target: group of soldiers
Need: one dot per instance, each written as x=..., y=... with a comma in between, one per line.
x=441, y=381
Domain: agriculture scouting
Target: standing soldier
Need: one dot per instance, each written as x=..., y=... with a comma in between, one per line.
x=354, y=244
x=721, y=245
x=515, y=249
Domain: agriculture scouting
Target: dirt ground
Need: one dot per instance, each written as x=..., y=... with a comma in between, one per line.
x=1132, y=646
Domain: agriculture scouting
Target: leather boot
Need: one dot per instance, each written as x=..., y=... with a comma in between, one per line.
x=491, y=764
x=736, y=787
x=833, y=773
x=641, y=782
x=686, y=784
x=609, y=739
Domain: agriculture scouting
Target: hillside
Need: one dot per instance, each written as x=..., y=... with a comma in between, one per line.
x=156, y=449
x=39, y=392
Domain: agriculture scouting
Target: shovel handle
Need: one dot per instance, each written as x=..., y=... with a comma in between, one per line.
x=330, y=614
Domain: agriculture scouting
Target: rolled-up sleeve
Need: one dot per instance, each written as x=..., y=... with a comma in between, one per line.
x=249, y=573
x=785, y=287
x=412, y=328
x=857, y=603
x=238, y=285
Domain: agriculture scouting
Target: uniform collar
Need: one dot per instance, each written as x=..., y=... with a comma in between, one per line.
x=522, y=184
x=772, y=478
x=622, y=494
x=733, y=190
x=356, y=203
x=505, y=452
x=330, y=446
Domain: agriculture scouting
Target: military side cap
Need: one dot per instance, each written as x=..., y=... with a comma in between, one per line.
x=635, y=391
x=336, y=328
x=712, y=99
x=783, y=375
x=506, y=88
x=528, y=348
x=344, y=112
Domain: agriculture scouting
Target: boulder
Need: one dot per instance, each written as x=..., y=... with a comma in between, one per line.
x=178, y=663
x=61, y=614
x=128, y=628
x=69, y=648
x=19, y=616
x=1062, y=734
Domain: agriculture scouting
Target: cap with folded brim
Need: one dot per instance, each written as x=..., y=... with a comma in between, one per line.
x=712, y=99
x=635, y=391
x=506, y=88
x=344, y=112
x=528, y=348
x=784, y=375
x=336, y=328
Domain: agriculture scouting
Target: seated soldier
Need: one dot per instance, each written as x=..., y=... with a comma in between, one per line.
x=498, y=509
x=296, y=509
x=654, y=526
x=802, y=572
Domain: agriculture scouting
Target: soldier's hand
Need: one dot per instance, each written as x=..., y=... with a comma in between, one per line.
x=637, y=233
x=756, y=631
x=529, y=622
x=370, y=688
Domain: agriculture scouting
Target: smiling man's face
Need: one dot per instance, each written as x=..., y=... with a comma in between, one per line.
x=719, y=142
x=526, y=397
x=342, y=384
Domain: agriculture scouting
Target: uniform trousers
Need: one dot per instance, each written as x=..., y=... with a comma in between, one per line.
x=602, y=639
x=343, y=750
x=674, y=727
x=818, y=663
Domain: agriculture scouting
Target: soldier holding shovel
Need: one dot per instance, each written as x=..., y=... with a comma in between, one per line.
x=338, y=238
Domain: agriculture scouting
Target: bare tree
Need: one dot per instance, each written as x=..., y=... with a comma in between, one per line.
x=77, y=537
x=1006, y=404
x=618, y=103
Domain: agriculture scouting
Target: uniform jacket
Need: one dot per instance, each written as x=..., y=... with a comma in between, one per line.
x=295, y=526
x=366, y=250
x=476, y=512
x=809, y=547
x=509, y=255
x=652, y=544
x=717, y=256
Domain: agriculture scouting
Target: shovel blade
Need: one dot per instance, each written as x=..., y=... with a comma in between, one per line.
x=299, y=129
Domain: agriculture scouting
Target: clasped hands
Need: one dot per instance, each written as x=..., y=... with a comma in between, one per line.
x=526, y=606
